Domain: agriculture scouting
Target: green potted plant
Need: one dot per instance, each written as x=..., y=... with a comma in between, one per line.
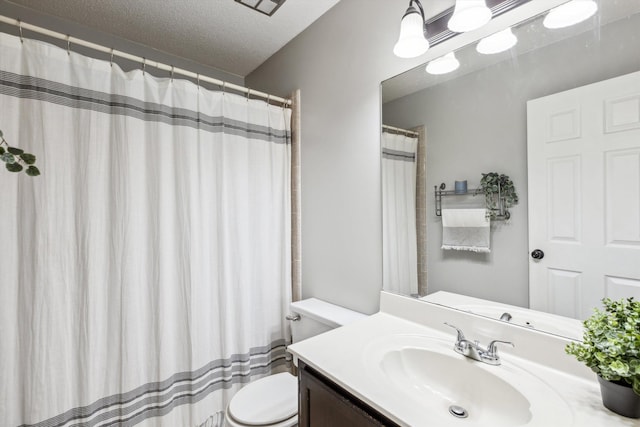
x=499, y=194
x=611, y=348
x=15, y=159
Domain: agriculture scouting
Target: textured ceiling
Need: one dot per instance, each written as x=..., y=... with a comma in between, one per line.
x=219, y=33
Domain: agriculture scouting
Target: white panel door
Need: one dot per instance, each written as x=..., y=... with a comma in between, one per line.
x=584, y=196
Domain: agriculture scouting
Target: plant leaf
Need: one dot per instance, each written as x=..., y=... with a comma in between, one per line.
x=15, y=150
x=1, y=151
x=14, y=167
x=8, y=158
x=32, y=171
x=611, y=346
x=28, y=158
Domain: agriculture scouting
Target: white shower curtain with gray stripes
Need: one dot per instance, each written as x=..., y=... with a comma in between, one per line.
x=145, y=275
x=399, y=232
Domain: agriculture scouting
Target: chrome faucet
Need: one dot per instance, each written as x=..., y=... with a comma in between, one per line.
x=506, y=317
x=473, y=349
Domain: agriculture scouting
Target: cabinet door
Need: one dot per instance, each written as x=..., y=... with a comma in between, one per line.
x=324, y=404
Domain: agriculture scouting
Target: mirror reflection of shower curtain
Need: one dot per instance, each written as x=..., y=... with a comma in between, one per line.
x=399, y=213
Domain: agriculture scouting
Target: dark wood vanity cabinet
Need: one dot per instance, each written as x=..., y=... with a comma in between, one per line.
x=322, y=403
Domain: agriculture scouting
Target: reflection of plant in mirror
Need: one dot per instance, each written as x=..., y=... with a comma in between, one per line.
x=16, y=159
x=611, y=346
x=495, y=187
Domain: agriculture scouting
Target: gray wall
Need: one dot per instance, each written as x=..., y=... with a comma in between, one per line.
x=338, y=63
x=67, y=27
x=477, y=123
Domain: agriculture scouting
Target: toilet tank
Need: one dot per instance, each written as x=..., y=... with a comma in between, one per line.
x=317, y=316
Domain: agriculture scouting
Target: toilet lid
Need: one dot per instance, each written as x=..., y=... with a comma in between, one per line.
x=266, y=401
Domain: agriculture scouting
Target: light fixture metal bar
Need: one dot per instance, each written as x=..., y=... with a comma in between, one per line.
x=437, y=25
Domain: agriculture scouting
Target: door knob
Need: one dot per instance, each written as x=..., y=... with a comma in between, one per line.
x=537, y=254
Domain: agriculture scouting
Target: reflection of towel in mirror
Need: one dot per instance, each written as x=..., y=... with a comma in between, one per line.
x=465, y=230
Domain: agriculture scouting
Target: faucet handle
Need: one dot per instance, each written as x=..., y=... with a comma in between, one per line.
x=492, y=349
x=461, y=336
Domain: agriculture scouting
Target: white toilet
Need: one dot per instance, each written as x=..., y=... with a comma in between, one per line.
x=273, y=401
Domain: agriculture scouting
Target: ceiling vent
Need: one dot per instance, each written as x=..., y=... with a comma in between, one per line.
x=266, y=7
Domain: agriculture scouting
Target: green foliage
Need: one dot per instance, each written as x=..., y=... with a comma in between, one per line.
x=8, y=158
x=32, y=171
x=611, y=346
x=15, y=158
x=497, y=186
x=28, y=158
x=14, y=167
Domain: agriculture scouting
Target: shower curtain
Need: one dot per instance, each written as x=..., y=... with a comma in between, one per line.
x=399, y=233
x=146, y=273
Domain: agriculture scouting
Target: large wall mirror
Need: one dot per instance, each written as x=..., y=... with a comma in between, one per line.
x=478, y=119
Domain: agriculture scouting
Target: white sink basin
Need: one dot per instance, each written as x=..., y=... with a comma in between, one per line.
x=427, y=372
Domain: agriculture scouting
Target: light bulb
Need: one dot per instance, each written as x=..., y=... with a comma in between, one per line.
x=570, y=13
x=469, y=15
x=444, y=64
x=412, y=41
x=498, y=42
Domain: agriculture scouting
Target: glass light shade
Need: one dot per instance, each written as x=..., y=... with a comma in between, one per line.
x=498, y=42
x=570, y=13
x=443, y=65
x=412, y=41
x=469, y=15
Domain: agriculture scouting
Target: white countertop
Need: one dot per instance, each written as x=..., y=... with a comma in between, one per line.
x=341, y=354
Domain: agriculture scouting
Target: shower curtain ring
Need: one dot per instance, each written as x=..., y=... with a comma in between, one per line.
x=198, y=80
x=20, y=29
x=268, y=99
x=111, y=60
x=172, y=73
x=144, y=65
x=68, y=44
x=224, y=87
x=248, y=94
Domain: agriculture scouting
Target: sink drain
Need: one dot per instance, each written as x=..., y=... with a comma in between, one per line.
x=458, y=411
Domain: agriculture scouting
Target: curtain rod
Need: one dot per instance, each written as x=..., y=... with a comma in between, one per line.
x=174, y=70
x=404, y=131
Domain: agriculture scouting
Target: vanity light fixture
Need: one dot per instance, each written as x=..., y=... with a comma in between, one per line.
x=570, y=13
x=498, y=42
x=444, y=64
x=413, y=33
x=469, y=15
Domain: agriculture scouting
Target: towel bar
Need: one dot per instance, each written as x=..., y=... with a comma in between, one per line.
x=502, y=215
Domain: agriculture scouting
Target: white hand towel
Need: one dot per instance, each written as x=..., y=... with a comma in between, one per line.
x=465, y=230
